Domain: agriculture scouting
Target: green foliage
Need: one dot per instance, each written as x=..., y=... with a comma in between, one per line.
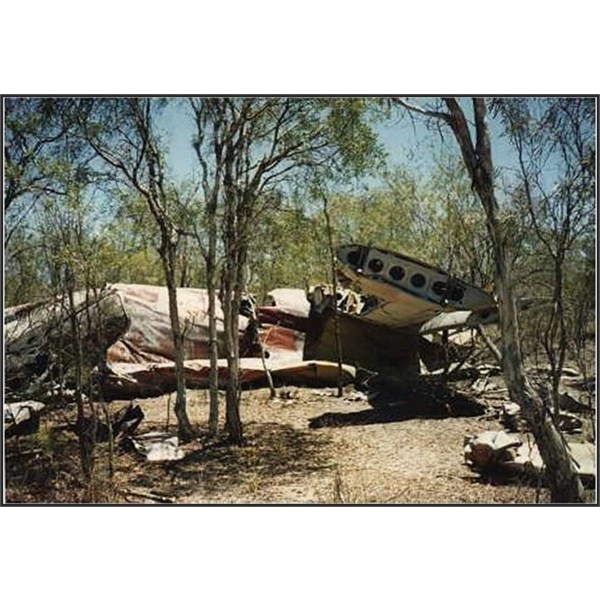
x=75, y=214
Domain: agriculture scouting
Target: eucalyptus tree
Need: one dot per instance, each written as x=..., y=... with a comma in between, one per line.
x=37, y=132
x=123, y=133
x=554, y=139
x=250, y=150
x=476, y=150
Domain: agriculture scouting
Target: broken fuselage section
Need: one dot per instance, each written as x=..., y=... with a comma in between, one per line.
x=389, y=308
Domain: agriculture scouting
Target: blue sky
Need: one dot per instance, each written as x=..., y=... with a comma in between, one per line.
x=408, y=142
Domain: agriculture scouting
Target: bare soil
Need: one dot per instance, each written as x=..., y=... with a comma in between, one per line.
x=308, y=447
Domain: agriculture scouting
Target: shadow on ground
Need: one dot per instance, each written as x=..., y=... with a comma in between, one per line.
x=271, y=450
x=443, y=406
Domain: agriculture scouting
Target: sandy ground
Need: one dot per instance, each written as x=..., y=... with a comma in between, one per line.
x=355, y=455
x=309, y=447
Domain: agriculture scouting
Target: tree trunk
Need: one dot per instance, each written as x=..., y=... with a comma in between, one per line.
x=84, y=427
x=233, y=423
x=564, y=483
x=336, y=316
x=185, y=430
x=557, y=339
x=213, y=349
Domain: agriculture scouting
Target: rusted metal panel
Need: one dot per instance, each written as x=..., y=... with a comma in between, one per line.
x=382, y=308
x=148, y=337
x=135, y=380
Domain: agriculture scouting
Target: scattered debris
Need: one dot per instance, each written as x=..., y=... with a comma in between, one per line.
x=326, y=392
x=126, y=421
x=489, y=449
x=22, y=418
x=483, y=385
x=489, y=370
x=511, y=417
x=16, y=412
x=158, y=446
x=357, y=396
x=499, y=451
x=569, y=423
x=287, y=393
x=570, y=372
x=584, y=384
x=570, y=403
x=155, y=497
x=566, y=370
x=528, y=460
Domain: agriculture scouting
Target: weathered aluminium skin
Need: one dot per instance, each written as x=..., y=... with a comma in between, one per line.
x=380, y=328
x=409, y=291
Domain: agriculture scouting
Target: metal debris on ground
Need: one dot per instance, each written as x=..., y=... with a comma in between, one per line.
x=503, y=452
x=326, y=392
x=488, y=370
x=528, y=458
x=568, y=402
x=569, y=423
x=484, y=385
x=489, y=449
x=126, y=421
x=511, y=416
x=158, y=446
x=22, y=418
x=357, y=396
x=288, y=393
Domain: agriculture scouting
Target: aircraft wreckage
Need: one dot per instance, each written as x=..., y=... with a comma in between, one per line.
x=390, y=310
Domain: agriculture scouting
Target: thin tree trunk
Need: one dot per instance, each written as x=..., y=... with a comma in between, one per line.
x=233, y=423
x=564, y=483
x=558, y=341
x=84, y=428
x=213, y=349
x=256, y=325
x=185, y=430
x=336, y=317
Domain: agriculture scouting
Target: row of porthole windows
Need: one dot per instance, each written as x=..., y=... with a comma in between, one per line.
x=418, y=280
x=396, y=272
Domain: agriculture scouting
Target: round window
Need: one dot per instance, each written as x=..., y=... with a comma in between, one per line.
x=397, y=273
x=418, y=280
x=375, y=265
x=354, y=257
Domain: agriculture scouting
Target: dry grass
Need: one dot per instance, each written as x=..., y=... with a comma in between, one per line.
x=354, y=456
